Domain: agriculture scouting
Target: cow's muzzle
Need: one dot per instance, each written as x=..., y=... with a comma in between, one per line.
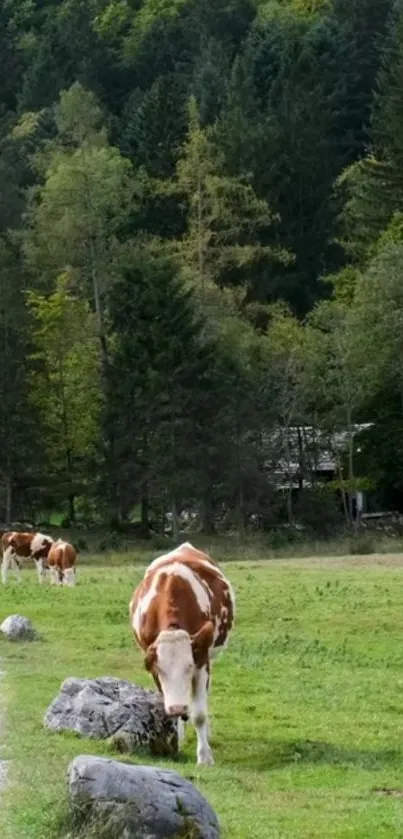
x=181, y=711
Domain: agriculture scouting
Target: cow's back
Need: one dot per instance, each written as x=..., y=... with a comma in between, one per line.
x=62, y=555
x=182, y=589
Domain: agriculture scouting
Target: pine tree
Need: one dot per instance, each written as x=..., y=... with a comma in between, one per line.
x=65, y=389
x=225, y=219
x=22, y=469
x=157, y=394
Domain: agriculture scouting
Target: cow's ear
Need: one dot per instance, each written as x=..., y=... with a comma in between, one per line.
x=150, y=657
x=202, y=640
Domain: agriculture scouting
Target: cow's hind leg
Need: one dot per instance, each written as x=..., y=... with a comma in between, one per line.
x=69, y=577
x=17, y=567
x=10, y=561
x=199, y=716
x=5, y=565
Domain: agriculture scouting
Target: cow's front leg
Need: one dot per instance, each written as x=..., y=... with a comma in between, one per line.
x=54, y=576
x=41, y=571
x=199, y=716
x=181, y=732
x=5, y=565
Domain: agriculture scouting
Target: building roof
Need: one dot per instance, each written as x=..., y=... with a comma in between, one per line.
x=320, y=450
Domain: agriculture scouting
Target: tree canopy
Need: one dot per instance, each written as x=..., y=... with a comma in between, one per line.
x=201, y=242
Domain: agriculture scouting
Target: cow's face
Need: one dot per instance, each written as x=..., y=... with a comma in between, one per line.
x=172, y=660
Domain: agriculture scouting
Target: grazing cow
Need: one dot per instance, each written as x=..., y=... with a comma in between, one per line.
x=61, y=562
x=17, y=546
x=181, y=614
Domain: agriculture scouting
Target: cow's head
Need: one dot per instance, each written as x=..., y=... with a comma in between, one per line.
x=172, y=660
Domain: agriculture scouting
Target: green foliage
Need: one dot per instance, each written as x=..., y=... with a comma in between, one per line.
x=20, y=430
x=225, y=216
x=65, y=384
x=233, y=169
x=86, y=194
x=158, y=355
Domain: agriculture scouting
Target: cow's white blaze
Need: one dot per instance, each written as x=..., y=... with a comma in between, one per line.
x=175, y=667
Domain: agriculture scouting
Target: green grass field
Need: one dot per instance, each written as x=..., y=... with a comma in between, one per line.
x=306, y=702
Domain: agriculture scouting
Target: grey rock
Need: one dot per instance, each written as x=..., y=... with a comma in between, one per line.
x=130, y=717
x=18, y=628
x=122, y=801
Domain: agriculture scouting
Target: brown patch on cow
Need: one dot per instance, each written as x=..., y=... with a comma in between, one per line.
x=150, y=662
x=62, y=556
x=21, y=544
x=201, y=643
x=175, y=605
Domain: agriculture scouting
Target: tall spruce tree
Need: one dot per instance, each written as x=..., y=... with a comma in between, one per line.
x=159, y=387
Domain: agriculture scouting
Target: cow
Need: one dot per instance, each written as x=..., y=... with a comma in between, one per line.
x=181, y=614
x=17, y=546
x=61, y=562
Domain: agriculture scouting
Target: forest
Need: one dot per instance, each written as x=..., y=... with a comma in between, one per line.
x=201, y=240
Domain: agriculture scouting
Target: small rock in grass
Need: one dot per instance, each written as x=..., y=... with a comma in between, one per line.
x=130, y=717
x=18, y=628
x=116, y=799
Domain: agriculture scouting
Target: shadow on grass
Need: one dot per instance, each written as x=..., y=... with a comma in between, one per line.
x=260, y=755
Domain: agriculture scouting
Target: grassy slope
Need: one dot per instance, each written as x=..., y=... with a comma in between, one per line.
x=306, y=702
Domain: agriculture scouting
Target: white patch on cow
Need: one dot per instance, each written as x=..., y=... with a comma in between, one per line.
x=169, y=555
x=199, y=716
x=136, y=620
x=199, y=588
x=180, y=570
x=175, y=667
x=39, y=541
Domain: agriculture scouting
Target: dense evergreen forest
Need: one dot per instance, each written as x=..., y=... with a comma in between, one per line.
x=201, y=238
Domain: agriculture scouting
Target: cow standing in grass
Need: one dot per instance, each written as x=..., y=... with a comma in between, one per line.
x=182, y=613
x=18, y=546
x=61, y=562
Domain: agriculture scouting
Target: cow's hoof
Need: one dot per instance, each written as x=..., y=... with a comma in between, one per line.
x=205, y=758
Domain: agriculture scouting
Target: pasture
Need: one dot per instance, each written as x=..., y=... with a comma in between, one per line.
x=306, y=703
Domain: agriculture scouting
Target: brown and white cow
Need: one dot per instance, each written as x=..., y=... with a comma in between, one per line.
x=17, y=546
x=182, y=613
x=61, y=561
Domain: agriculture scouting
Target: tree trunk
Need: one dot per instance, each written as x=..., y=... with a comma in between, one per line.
x=9, y=494
x=343, y=495
x=175, y=521
x=145, y=511
x=351, y=477
x=301, y=470
x=240, y=510
x=290, y=511
x=208, y=514
x=72, y=509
